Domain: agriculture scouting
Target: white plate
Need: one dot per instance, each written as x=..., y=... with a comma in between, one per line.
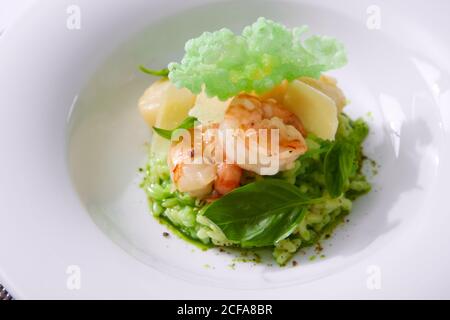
x=72, y=142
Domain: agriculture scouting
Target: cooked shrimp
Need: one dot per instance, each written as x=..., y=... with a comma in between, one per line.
x=248, y=114
x=214, y=177
x=188, y=176
x=272, y=109
x=200, y=178
x=228, y=178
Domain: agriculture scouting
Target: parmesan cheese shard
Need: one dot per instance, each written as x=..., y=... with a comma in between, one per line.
x=209, y=110
x=317, y=111
x=328, y=86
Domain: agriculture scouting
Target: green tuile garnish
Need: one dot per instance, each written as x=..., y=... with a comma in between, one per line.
x=187, y=123
x=266, y=53
x=157, y=73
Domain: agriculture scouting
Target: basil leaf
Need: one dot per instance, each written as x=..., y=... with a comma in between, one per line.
x=261, y=213
x=158, y=73
x=338, y=165
x=166, y=134
x=316, y=147
x=187, y=123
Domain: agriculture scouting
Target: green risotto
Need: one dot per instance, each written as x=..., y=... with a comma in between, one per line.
x=291, y=210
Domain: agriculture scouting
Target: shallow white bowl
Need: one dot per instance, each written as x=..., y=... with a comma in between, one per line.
x=73, y=140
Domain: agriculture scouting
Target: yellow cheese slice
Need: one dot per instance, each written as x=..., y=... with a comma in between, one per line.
x=317, y=111
x=209, y=110
x=328, y=86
